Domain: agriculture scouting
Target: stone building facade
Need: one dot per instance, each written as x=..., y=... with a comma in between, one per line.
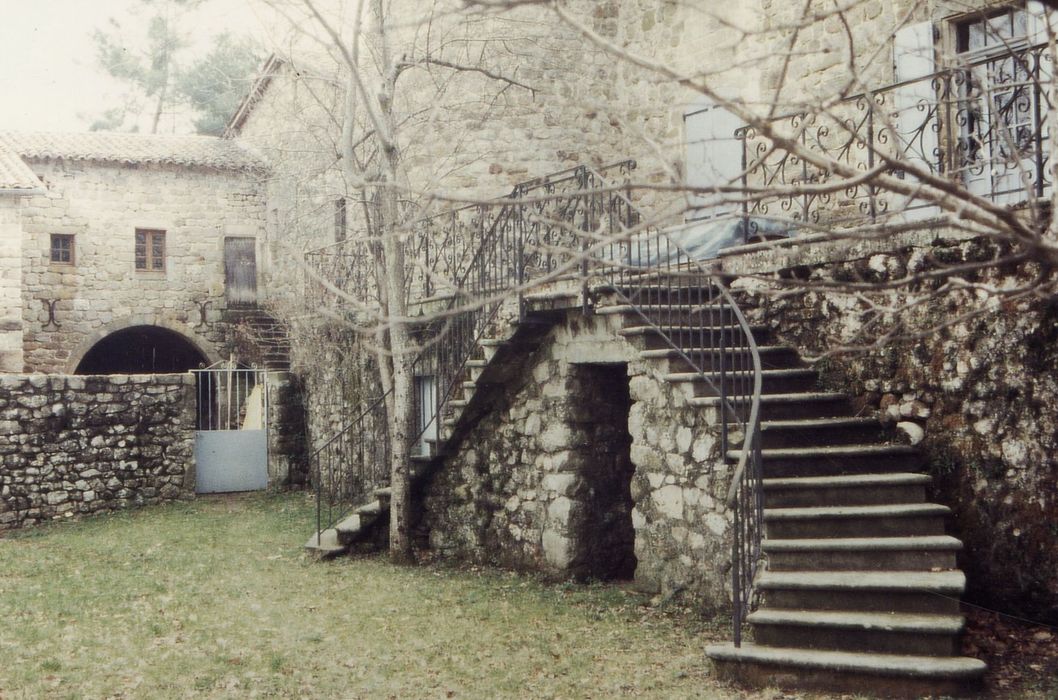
x=586, y=104
x=126, y=232
x=538, y=98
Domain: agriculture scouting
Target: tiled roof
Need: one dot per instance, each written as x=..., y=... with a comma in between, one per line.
x=14, y=174
x=200, y=151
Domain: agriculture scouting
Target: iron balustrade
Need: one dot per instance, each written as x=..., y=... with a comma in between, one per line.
x=981, y=124
x=689, y=308
x=578, y=227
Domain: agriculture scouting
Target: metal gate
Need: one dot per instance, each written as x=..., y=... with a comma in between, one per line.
x=231, y=438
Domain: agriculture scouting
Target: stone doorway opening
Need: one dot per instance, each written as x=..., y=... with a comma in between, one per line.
x=601, y=519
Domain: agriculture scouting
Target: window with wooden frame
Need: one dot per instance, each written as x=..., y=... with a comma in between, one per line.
x=150, y=250
x=62, y=249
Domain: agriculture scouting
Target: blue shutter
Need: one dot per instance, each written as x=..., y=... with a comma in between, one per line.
x=713, y=157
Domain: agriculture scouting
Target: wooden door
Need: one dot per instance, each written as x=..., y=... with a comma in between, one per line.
x=240, y=271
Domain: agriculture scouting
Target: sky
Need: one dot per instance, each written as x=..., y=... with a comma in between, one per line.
x=49, y=79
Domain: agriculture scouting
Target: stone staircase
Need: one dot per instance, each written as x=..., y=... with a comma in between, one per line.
x=860, y=589
x=260, y=337
x=359, y=526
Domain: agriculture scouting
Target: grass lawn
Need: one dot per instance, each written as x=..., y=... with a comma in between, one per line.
x=214, y=598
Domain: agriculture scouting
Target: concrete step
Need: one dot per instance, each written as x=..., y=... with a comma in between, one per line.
x=879, y=633
x=830, y=431
x=901, y=520
x=773, y=407
x=845, y=490
x=382, y=494
x=783, y=462
x=893, y=675
x=326, y=545
x=773, y=381
x=708, y=359
x=663, y=334
x=867, y=591
x=920, y=553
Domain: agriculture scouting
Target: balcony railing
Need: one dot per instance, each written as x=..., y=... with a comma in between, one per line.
x=982, y=124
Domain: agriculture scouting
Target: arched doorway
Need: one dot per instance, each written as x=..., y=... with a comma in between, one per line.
x=141, y=350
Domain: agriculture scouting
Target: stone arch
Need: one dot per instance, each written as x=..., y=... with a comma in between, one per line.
x=186, y=333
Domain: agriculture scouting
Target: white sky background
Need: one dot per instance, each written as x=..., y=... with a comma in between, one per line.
x=49, y=79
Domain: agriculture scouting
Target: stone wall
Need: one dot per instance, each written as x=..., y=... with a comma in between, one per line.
x=102, y=205
x=10, y=284
x=980, y=392
x=72, y=445
x=532, y=484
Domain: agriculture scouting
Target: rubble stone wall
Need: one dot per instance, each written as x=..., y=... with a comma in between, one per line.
x=518, y=489
x=72, y=445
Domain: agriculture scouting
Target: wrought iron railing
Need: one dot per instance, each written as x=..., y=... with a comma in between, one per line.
x=346, y=466
x=575, y=225
x=689, y=308
x=469, y=261
x=981, y=124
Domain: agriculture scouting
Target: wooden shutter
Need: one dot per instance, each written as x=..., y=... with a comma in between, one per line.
x=240, y=271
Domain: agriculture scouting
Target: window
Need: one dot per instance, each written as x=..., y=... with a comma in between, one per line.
x=1000, y=106
x=62, y=249
x=426, y=413
x=339, y=219
x=150, y=250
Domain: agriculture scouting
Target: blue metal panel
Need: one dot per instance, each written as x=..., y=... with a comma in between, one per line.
x=231, y=460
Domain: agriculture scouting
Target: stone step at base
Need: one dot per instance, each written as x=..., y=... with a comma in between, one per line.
x=933, y=553
x=879, y=633
x=885, y=675
x=865, y=591
x=326, y=545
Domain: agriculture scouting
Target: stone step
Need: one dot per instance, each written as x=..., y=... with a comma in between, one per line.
x=326, y=544
x=920, y=553
x=773, y=381
x=831, y=431
x=782, y=462
x=896, y=675
x=900, y=520
x=708, y=359
x=867, y=591
x=845, y=490
x=634, y=315
x=690, y=334
x=475, y=367
x=372, y=509
x=773, y=407
x=879, y=633
x=490, y=346
x=384, y=493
